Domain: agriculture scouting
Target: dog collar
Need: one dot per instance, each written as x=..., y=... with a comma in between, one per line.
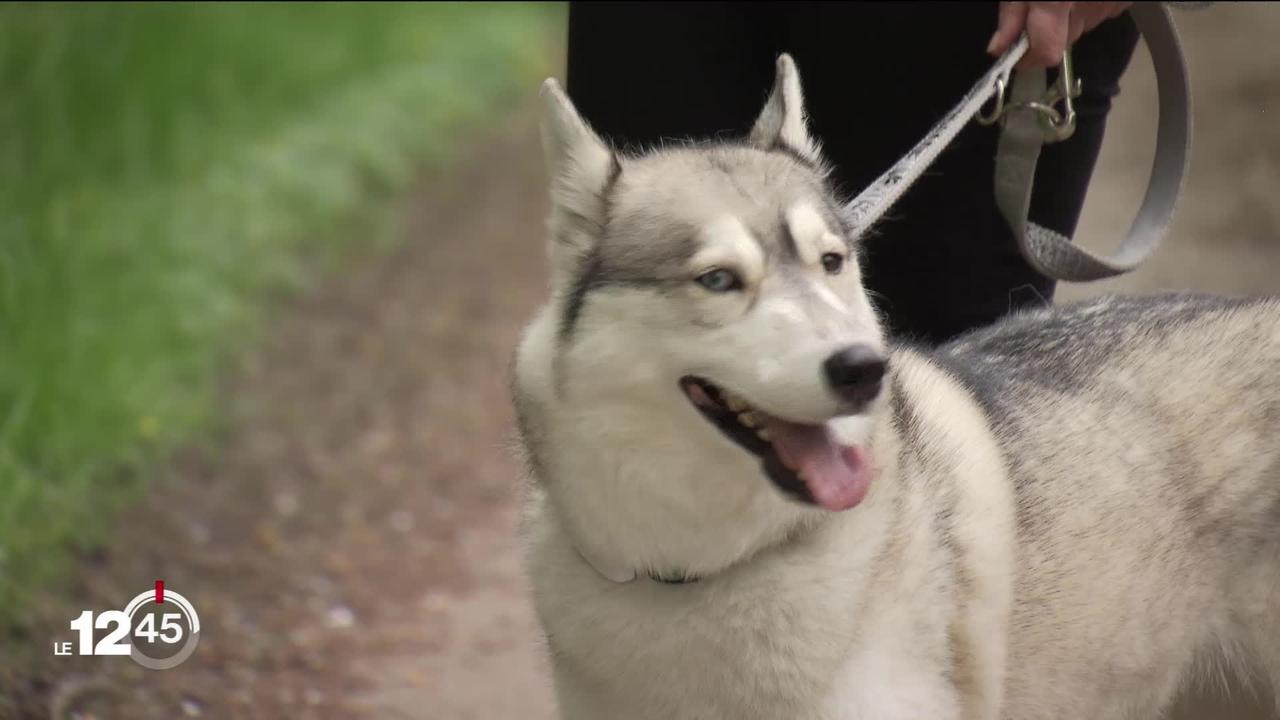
x=620, y=574
x=680, y=579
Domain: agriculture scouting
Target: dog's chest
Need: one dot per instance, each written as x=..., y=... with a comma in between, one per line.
x=686, y=651
x=796, y=637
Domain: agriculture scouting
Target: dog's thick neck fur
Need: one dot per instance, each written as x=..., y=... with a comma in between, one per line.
x=705, y=524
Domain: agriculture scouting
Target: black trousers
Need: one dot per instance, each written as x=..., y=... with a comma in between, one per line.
x=876, y=76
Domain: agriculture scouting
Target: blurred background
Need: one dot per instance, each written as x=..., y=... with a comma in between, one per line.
x=261, y=271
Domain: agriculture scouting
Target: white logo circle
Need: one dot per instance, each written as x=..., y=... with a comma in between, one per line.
x=193, y=636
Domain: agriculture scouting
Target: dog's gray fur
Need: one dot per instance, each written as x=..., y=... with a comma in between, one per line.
x=1073, y=512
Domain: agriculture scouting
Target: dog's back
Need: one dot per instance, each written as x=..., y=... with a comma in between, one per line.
x=1142, y=436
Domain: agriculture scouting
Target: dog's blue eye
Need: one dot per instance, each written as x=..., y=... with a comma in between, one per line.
x=833, y=263
x=719, y=280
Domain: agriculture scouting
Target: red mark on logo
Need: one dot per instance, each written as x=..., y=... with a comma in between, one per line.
x=159, y=591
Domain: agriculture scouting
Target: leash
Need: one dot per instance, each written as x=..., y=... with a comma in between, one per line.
x=1030, y=118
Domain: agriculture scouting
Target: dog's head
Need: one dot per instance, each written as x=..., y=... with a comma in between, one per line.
x=708, y=329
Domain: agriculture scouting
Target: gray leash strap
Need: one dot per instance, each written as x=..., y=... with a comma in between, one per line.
x=1018, y=150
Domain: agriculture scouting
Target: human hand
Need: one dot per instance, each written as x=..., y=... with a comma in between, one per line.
x=1050, y=26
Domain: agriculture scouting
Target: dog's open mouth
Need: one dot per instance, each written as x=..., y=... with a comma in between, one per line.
x=803, y=460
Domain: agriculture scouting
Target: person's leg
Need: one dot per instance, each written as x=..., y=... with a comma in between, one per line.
x=642, y=73
x=876, y=77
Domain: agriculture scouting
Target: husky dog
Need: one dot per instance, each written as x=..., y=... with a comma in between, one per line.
x=747, y=503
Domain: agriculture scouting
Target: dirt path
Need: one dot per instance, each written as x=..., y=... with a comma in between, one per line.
x=349, y=543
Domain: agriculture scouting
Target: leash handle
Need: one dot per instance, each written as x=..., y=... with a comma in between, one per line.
x=1018, y=150
x=1022, y=137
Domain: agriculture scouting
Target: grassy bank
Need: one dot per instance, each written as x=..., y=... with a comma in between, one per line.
x=162, y=167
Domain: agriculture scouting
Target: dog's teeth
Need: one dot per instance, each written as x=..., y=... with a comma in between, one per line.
x=748, y=419
x=734, y=403
x=762, y=433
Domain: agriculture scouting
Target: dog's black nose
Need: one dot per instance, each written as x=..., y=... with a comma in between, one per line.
x=854, y=373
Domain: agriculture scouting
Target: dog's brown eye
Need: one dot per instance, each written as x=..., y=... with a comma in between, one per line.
x=833, y=263
x=719, y=280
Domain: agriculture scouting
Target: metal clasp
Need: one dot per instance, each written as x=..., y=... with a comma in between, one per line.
x=1058, y=125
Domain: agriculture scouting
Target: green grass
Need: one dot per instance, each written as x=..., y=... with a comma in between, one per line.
x=164, y=167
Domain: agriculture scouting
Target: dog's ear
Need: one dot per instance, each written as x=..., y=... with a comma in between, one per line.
x=580, y=167
x=782, y=120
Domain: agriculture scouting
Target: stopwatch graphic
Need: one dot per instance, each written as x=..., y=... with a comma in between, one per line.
x=158, y=629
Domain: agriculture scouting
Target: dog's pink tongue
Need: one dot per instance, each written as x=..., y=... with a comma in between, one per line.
x=837, y=476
